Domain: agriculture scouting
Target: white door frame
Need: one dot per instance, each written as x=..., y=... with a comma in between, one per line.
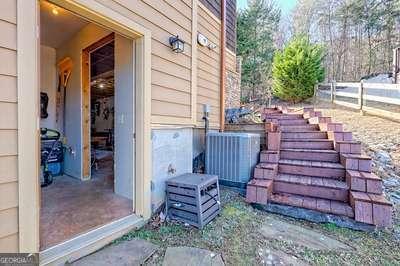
x=28, y=108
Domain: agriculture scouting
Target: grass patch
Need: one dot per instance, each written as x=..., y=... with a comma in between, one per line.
x=235, y=234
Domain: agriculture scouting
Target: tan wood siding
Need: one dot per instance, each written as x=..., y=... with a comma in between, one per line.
x=8, y=11
x=8, y=226
x=208, y=69
x=8, y=128
x=8, y=169
x=9, y=243
x=8, y=62
x=8, y=195
x=8, y=85
x=171, y=72
x=8, y=35
x=171, y=78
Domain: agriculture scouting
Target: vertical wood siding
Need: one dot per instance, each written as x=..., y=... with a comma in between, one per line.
x=231, y=25
x=8, y=128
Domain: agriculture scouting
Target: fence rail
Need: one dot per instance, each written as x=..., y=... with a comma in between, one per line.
x=372, y=98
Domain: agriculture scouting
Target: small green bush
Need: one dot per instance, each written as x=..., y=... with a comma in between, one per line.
x=297, y=69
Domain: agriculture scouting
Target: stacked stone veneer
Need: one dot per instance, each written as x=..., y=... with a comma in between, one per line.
x=311, y=162
x=232, y=90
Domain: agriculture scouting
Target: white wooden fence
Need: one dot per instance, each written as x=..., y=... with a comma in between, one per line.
x=384, y=95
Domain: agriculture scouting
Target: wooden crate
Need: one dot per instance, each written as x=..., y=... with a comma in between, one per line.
x=193, y=198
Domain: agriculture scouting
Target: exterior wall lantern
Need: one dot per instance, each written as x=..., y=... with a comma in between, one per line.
x=177, y=44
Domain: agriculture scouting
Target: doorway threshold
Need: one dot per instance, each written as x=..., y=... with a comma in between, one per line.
x=87, y=243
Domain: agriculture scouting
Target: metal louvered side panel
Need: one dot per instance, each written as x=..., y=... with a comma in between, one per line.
x=232, y=156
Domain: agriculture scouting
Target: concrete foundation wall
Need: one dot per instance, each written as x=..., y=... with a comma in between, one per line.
x=172, y=151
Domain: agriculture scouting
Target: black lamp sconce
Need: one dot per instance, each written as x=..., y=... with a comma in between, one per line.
x=177, y=44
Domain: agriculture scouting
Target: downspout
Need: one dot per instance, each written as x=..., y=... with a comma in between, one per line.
x=222, y=67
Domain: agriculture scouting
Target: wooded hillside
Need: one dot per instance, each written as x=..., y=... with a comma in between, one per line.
x=359, y=35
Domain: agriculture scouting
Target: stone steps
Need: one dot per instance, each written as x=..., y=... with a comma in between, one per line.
x=317, y=204
x=312, y=144
x=312, y=168
x=318, y=187
x=310, y=155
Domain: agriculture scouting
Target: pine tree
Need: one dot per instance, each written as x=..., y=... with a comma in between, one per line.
x=297, y=69
x=256, y=27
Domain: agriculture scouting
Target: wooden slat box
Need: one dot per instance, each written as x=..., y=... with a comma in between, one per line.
x=193, y=198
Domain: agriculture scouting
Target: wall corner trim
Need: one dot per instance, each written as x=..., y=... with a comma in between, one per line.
x=28, y=125
x=195, y=4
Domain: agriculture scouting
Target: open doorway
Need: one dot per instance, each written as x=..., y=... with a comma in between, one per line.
x=87, y=88
x=102, y=115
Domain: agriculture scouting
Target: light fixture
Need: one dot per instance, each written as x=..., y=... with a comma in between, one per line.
x=54, y=10
x=101, y=85
x=177, y=44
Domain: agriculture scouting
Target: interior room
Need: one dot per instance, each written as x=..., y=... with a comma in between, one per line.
x=87, y=125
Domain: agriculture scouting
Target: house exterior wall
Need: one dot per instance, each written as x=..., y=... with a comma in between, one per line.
x=8, y=128
x=172, y=88
x=208, y=68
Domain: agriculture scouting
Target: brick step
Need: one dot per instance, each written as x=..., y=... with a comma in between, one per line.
x=371, y=208
x=269, y=111
x=298, y=128
x=312, y=144
x=319, y=187
x=319, y=119
x=267, y=156
x=310, y=155
x=356, y=162
x=312, y=168
x=259, y=191
x=331, y=127
x=292, y=122
x=284, y=116
x=350, y=147
x=304, y=135
x=265, y=171
x=309, y=114
x=322, y=205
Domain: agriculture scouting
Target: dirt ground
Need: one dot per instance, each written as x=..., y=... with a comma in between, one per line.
x=236, y=232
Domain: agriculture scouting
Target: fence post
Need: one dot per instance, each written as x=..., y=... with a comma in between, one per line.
x=333, y=91
x=361, y=97
x=315, y=93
